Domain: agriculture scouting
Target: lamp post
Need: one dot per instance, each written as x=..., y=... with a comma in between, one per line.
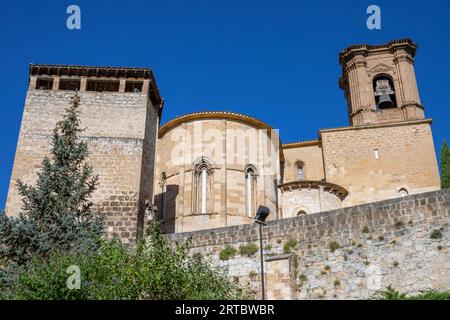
x=261, y=215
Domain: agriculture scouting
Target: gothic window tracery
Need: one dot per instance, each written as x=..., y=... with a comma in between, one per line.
x=203, y=171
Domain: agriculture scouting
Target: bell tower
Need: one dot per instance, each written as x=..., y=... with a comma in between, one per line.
x=379, y=83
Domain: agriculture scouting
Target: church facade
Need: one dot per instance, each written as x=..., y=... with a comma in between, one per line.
x=213, y=169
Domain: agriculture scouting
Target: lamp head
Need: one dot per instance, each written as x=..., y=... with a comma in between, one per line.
x=261, y=214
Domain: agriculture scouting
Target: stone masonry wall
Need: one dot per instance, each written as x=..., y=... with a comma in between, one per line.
x=117, y=140
x=310, y=156
x=375, y=163
x=348, y=253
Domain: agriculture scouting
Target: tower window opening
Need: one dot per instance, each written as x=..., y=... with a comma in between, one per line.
x=102, y=86
x=133, y=86
x=299, y=171
x=44, y=83
x=376, y=154
x=383, y=88
x=69, y=84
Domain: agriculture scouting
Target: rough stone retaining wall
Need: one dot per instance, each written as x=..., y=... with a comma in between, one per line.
x=348, y=253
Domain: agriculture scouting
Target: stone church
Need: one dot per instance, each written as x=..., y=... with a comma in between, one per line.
x=213, y=169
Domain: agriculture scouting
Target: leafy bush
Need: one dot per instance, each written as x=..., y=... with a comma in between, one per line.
x=289, y=245
x=227, y=253
x=248, y=250
x=392, y=294
x=333, y=246
x=153, y=270
x=436, y=234
x=398, y=223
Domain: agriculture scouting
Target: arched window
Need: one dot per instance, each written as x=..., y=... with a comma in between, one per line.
x=163, y=197
x=204, y=175
x=383, y=88
x=301, y=213
x=250, y=190
x=403, y=192
x=202, y=185
x=299, y=170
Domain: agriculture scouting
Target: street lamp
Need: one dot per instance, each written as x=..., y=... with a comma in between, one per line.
x=261, y=215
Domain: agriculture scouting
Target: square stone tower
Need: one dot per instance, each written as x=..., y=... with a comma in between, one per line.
x=388, y=149
x=120, y=109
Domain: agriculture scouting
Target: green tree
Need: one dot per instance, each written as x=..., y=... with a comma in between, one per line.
x=445, y=166
x=155, y=269
x=56, y=212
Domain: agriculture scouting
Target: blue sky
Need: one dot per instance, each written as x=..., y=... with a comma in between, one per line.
x=275, y=60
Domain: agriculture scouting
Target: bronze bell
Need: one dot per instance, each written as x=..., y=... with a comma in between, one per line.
x=383, y=90
x=385, y=102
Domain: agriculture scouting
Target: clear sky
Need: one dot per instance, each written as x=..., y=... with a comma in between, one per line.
x=274, y=60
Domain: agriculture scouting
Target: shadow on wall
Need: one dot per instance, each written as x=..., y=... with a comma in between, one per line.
x=166, y=203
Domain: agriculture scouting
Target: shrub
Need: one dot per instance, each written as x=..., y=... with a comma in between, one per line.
x=227, y=253
x=301, y=281
x=302, y=278
x=391, y=294
x=365, y=229
x=336, y=283
x=153, y=270
x=289, y=245
x=248, y=250
x=436, y=234
x=398, y=223
x=333, y=246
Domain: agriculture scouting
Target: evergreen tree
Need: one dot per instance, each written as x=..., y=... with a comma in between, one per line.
x=56, y=212
x=445, y=166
